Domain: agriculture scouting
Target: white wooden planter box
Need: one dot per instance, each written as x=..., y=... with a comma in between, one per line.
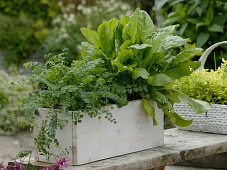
x=95, y=139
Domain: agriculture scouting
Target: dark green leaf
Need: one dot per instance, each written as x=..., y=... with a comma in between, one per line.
x=202, y=39
x=216, y=28
x=209, y=15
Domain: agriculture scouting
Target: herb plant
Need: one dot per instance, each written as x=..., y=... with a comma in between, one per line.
x=210, y=86
x=126, y=59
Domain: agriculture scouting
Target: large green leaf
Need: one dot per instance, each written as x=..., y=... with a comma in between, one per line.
x=119, y=29
x=106, y=36
x=139, y=27
x=140, y=72
x=147, y=26
x=198, y=106
x=90, y=35
x=185, y=55
x=164, y=39
x=150, y=110
x=167, y=108
x=182, y=69
x=163, y=42
x=179, y=121
x=160, y=80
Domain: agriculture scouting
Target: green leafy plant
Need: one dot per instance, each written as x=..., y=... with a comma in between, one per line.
x=203, y=21
x=210, y=86
x=124, y=60
x=9, y=100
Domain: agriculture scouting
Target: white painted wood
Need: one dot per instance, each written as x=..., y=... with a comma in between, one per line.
x=95, y=139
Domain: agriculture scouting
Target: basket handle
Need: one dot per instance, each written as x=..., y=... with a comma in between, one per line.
x=203, y=58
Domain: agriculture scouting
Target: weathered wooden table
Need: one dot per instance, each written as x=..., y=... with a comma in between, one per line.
x=179, y=146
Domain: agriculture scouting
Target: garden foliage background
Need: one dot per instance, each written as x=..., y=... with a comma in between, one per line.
x=31, y=28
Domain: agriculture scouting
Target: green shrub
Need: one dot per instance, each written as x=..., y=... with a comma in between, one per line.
x=208, y=86
x=9, y=100
x=203, y=21
x=19, y=38
x=24, y=26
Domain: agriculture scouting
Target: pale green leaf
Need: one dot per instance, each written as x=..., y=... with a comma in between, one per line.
x=139, y=27
x=198, y=106
x=106, y=36
x=124, y=20
x=179, y=121
x=150, y=110
x=90, y=35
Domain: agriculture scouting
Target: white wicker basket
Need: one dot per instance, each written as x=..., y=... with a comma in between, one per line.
x=213, y=121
